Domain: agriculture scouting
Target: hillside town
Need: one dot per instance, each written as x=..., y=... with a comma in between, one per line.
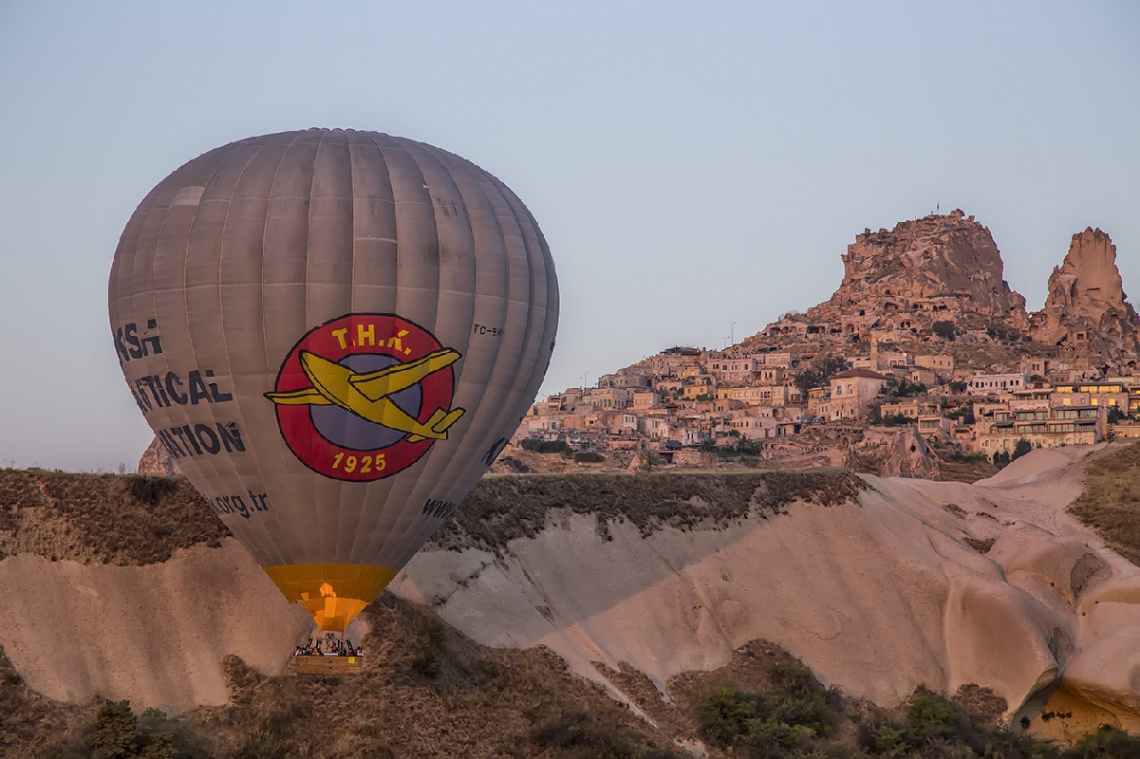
x=924, y=345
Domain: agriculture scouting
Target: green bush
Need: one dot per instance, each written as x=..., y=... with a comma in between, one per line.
x=150, y=490
x=936, y=726
x=545, y=446
x=588, y=457
x=580, y=735
x=1106, y=742
x=115, y=735
x=944, y=329
x=791, y=719
x=426, y=665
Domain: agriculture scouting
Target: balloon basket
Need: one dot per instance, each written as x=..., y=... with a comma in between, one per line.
x=325, y=666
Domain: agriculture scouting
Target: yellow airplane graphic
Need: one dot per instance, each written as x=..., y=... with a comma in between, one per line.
x=368, y=395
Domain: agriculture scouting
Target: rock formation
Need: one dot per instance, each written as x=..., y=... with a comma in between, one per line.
x=156, y=460
x=904, y=453
x=898, y=283
x=1087, y=313
x=914, y=582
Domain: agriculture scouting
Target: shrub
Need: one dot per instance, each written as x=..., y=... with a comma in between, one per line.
x=944, y=329
x=789, y=720
x=150, y=490
x=588, y=457
x=1106, y=742
x=1020, y=448
x=545, y=446
x=115, y=735
x=580, y=734
x=426, y=665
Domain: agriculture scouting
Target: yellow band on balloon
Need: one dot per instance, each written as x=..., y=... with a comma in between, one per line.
x=332, y=593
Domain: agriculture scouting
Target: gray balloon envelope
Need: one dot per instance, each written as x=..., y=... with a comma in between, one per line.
x=334, y=333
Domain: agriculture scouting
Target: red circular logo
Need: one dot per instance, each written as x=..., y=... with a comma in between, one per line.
x=364, y=396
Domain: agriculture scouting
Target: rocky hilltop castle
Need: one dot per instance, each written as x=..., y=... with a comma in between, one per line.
x=923, y=354
x=898, y=283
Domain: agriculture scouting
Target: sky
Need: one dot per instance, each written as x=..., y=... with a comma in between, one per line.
x=697, y=169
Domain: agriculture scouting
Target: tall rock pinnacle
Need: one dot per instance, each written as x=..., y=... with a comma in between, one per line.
x=1087, y=313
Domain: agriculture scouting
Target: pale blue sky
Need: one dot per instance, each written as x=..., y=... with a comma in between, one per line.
x=691, y=165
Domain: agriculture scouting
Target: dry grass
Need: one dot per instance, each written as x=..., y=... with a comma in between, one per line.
x=966, y=471
x=979, y=545
x=102, y=518
x=476, y=702
x=508, y=507
x=1110, y=503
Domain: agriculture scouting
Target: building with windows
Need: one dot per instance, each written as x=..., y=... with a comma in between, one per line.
x=852, y=392
x=995, y=384
x=1043, y=428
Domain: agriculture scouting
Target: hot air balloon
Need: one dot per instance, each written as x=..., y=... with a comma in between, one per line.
x=334, y=333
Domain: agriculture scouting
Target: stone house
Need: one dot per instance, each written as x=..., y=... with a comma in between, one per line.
x=934, y=426
x=941, y=364
x=733, y=371
x=919, y=375
x=753, y=427
x=631, y=380
x=775, y=359
x=1045, y=428
x=699, y=385
x=755, y=395
x=644, y=400
x=609, y=398
x=912, y=408
x=1109, y=394
x=992, y=384
x=852, y=392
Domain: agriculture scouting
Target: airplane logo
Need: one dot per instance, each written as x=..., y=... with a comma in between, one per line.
x=368, y=394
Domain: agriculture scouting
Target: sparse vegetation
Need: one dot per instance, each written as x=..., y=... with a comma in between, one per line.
x=944, y=329
x=820, y=372
x=480, y=702
x=506, y=507
x=979, y=545
x=115, y=735
x=545, y=446
x=1110, y=502
x=1020, y=448
x=102, y=518
x=794, y=718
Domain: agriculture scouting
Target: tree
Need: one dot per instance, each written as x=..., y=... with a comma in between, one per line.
x=944, y=329
x=822, y=369
x=900, y=388
x=1020, y=448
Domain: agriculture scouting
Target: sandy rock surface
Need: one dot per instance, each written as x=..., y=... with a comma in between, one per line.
x=915, y=582
x=920, y=582
x=155, y=634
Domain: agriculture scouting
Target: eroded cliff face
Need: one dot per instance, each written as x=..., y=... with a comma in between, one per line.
x=1087, y=313
x=897, y=283
x=157, y=461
